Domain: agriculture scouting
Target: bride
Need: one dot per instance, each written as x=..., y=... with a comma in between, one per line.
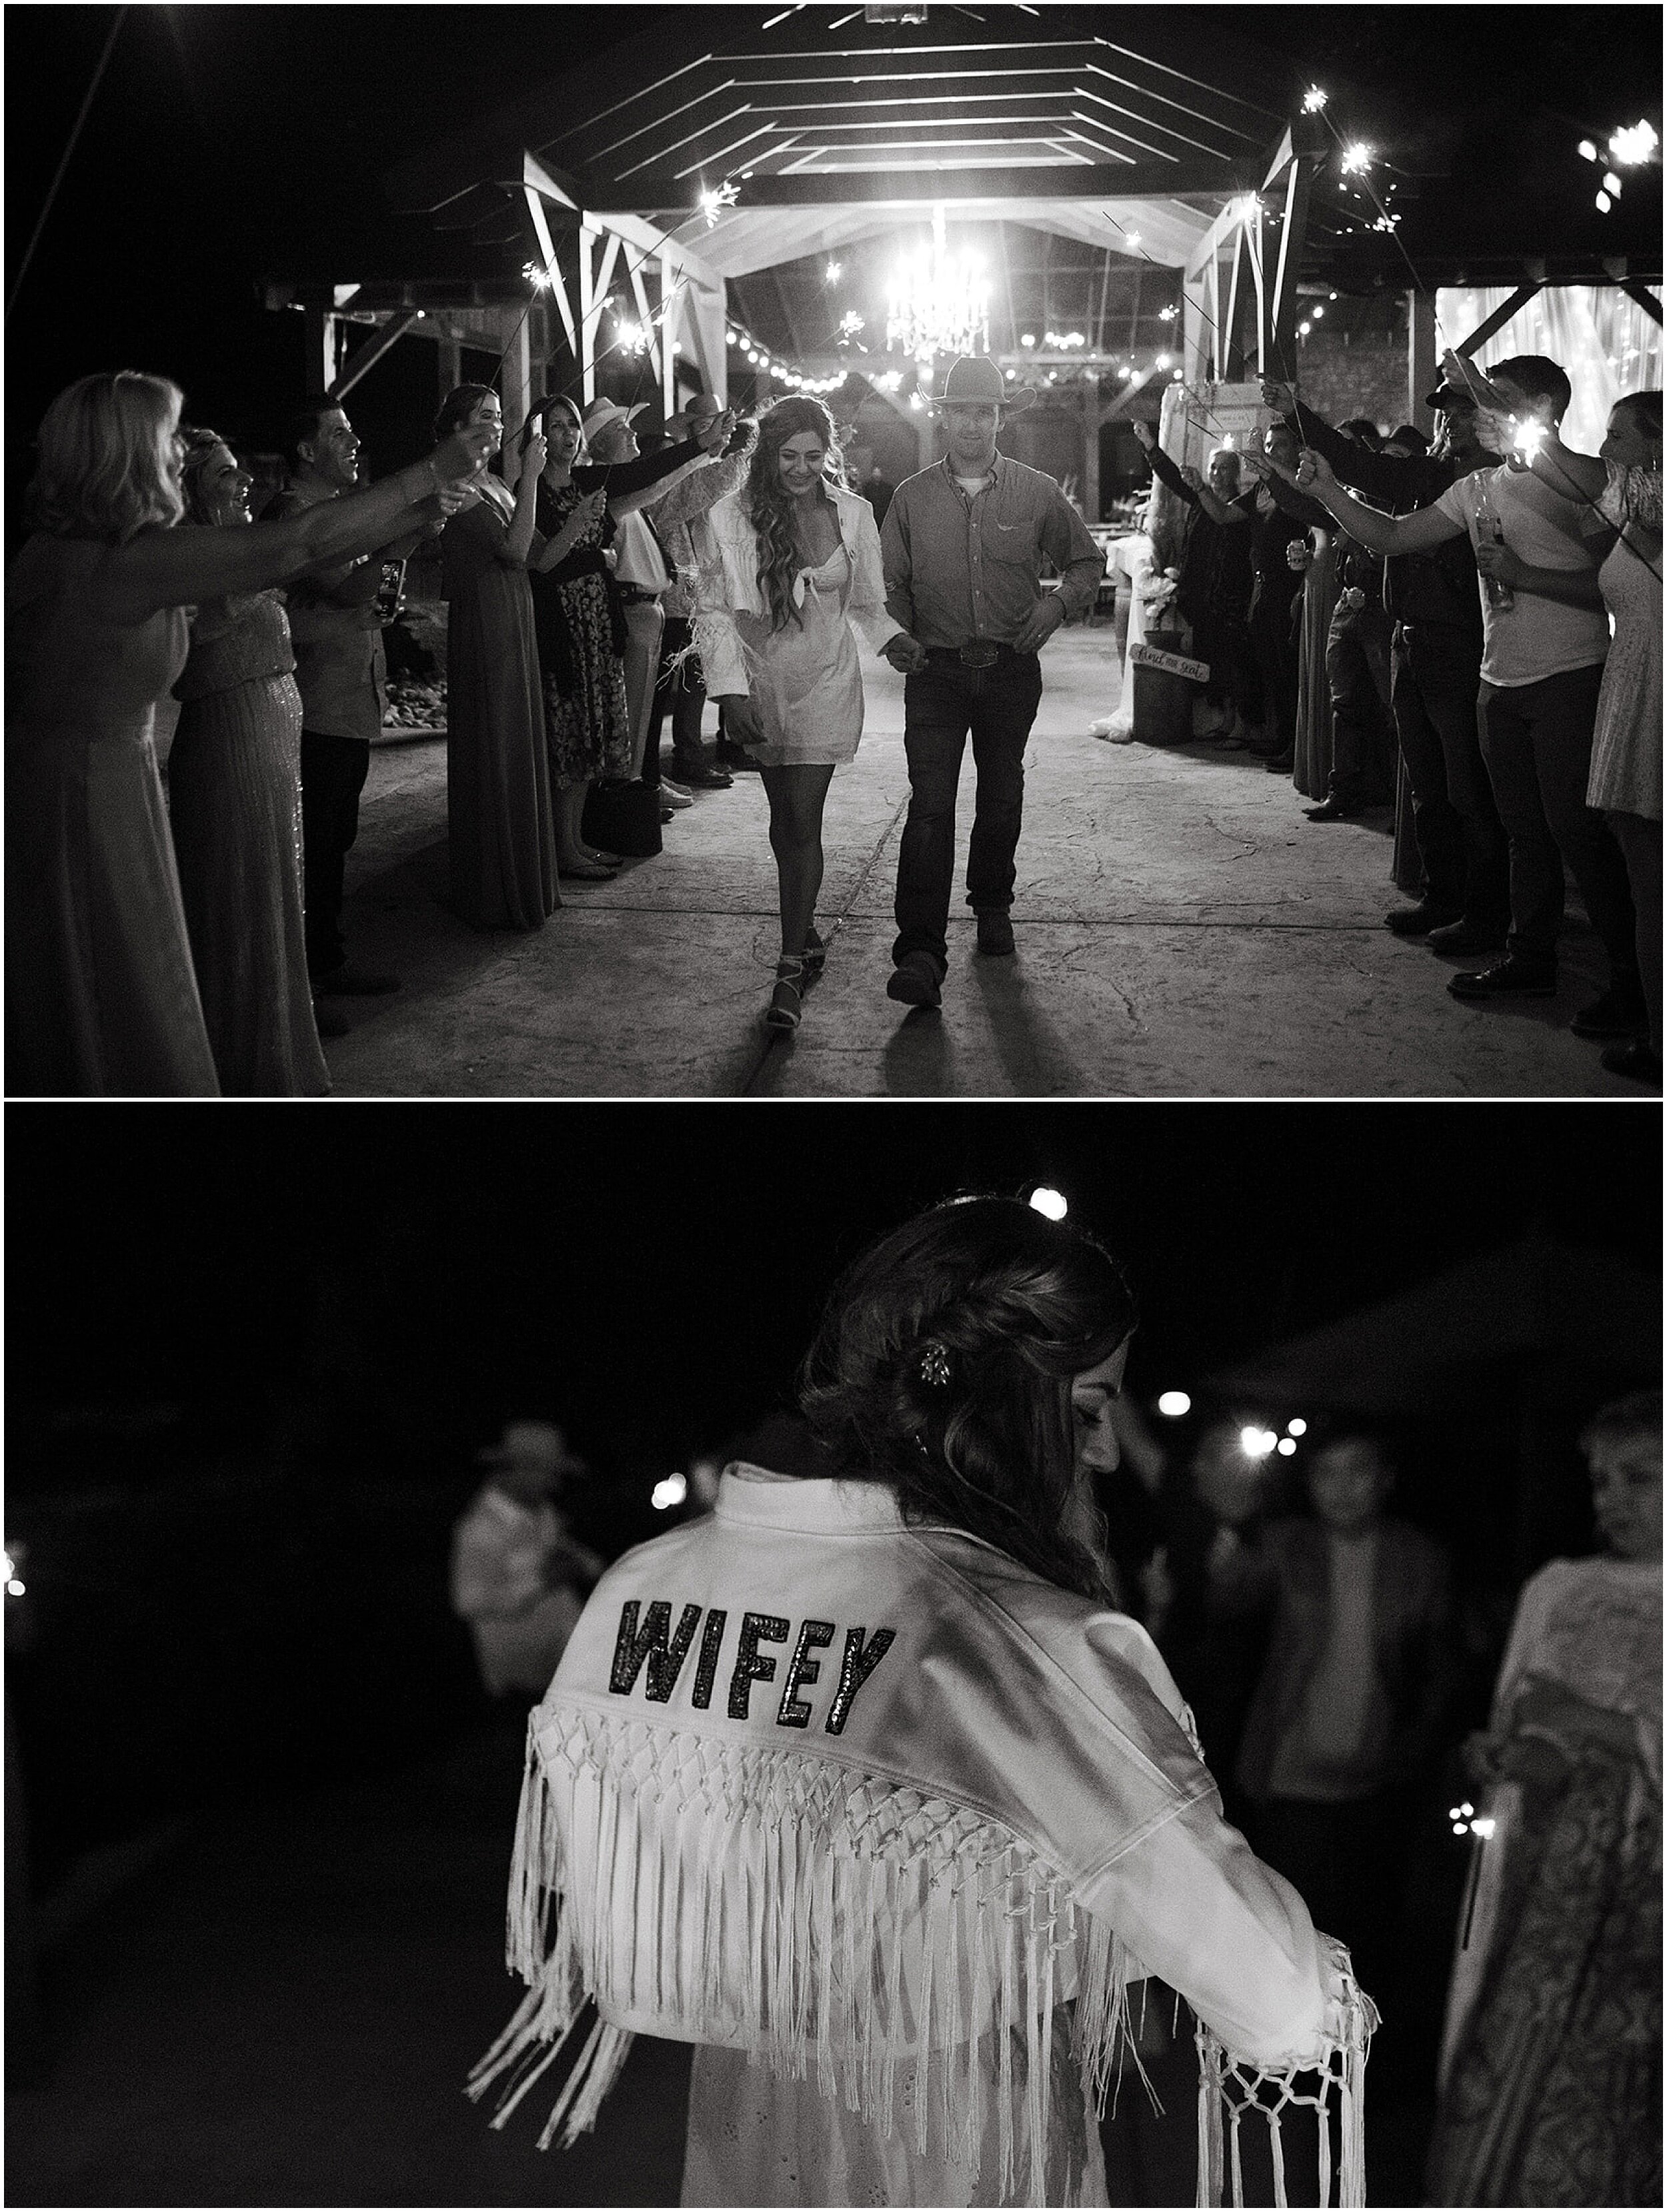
x=797, y=567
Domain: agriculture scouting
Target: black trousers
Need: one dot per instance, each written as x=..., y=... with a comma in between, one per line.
x=1434, y=676
x=1276, y=656
x=333, y=772
x=1536, y=740
x=941, y=705
x=1357, y=677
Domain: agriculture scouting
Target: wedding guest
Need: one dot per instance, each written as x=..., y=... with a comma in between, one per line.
x=101, y=994
x=680, y=517
x=643, y=574
x=340, y=672
x=579, y=620
x=1541, y=672
x=234, y=802
x=798, y=574
x=501, y=839
x=1624, y=480
x=1551, y=2061
x=1435, y=660
x=1215, y=589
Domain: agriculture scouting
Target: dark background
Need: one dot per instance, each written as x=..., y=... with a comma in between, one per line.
x=253, y=1356
x=229, y=145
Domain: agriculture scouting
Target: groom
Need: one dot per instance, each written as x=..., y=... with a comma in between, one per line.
x=963, y=544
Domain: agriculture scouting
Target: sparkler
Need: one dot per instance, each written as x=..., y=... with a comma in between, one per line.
x=1467, y=1822
x=1313, y=100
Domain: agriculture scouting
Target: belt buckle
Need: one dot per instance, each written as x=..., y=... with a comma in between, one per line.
x=981, y=653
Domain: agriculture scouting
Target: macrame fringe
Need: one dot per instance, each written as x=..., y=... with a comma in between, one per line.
x=808, y=1914
x=1229, y=2089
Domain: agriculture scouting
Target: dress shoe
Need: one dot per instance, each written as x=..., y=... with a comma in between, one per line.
x=1510, y=978
x=673, y=795
x=585, y=871
x=328, y=1022
x=994, y=931
x=916, y=980
x=1331, y=809
x=1620, y=1013
x=1637, y=1060
x=1418, y=921
x=1465, y=936
x=700, y=776
x=352, y=983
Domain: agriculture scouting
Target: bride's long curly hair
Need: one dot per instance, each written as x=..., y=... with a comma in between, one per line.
x=771, y=508
x=943, y=1367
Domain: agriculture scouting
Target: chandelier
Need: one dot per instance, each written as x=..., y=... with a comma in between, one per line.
x=939, y=302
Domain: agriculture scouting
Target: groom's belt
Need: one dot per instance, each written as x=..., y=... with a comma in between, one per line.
x=978, y=652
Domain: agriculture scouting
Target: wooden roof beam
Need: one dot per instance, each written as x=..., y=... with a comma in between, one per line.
x=890, y=186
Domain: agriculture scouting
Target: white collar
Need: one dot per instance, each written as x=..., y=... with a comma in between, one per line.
x=755, y=1497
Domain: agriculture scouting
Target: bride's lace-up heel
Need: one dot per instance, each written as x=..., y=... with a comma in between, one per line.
x=786, y=1006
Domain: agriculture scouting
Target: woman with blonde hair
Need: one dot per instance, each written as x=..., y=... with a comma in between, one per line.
x=862, y=1784
x=798, y=571
x=235, y=803
x=101, y=996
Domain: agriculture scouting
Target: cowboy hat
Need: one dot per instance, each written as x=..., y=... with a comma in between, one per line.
x=704, y=408
x=973, y=380
x=601, y=412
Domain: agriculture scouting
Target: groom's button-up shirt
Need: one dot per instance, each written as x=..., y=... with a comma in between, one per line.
x=959, y=568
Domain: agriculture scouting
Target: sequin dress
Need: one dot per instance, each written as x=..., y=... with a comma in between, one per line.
x=100, y=994
x=234, y=795
x=806, y=696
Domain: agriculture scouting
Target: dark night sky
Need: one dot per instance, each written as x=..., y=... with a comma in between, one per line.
x=656, y=1269
x=225, y=143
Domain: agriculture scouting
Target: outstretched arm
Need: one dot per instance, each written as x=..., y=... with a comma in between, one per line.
x=1384, y=533
x=169, y=568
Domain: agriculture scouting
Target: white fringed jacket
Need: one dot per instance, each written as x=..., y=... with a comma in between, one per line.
x=865, y=1808
x=728, y=585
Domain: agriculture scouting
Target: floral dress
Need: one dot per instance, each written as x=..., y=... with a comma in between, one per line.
x=587, y=724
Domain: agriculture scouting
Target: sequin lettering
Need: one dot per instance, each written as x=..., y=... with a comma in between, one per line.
x=756, y=1628
x=857, y=1662
x=802, y=1667
x=706, y=1667
x=664, y=1652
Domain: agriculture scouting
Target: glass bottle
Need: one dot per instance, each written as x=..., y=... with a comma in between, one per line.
x=1490, y=530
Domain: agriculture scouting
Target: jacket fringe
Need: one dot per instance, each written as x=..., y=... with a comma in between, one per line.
x=1229, y=2089
x=702, y=1860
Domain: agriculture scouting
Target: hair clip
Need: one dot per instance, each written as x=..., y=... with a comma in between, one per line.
x=935, y=1366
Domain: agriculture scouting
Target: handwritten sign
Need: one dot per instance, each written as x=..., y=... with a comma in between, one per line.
x=1172, y=664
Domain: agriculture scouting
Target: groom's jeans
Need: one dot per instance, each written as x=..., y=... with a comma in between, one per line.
x=941, y=705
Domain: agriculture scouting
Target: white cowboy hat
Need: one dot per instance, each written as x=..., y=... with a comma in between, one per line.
x=973, y=380
x=601, y=412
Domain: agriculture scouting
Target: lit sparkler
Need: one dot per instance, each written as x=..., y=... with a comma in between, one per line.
x=1313, y=100
x=1357, y=158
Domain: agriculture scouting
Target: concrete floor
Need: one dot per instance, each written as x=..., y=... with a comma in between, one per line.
x=1182, y=932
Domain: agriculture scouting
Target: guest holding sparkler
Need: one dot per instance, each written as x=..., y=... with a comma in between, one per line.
x=503, y=870
x=1435, y=660
x=1623, y=481
x=101, y=993
x=234, y=802
x=579, y=616
x=1214, y=588
x=1542, y=672
x=1551, y=2064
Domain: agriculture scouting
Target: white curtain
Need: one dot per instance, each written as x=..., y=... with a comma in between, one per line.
x=1602, y=340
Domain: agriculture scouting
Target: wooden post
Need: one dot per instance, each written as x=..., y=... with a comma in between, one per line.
x=1091, y=447
x=1421, y=359
x=449, y=354
x=322, y=328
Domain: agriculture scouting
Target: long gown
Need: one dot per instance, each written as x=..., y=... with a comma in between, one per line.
x=101, y=996
x=234, y=796
x=503, y=867
x=1312, y=772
